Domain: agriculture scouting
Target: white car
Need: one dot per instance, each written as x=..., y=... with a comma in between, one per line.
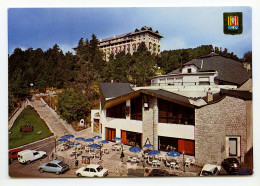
x=27, y=156
x=92, y=170
x=210, y=170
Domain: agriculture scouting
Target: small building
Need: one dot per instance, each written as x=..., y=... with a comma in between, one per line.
x=208, y=70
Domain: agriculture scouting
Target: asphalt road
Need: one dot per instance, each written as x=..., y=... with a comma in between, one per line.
x=18, y=170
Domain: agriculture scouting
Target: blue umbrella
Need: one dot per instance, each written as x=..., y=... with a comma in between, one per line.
x=148, y=145
x=104, y=141
x=68, y=136
x=89, y=140
x=153, y=152
x=117, y=138
x=173, y=154
x=135, y=149
x=96, y=137
x=80, y=139
x=73, y=144
x=62, y=140
x=94, y=146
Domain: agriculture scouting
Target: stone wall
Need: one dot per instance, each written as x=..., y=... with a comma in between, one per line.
x=150, y=122
x=247, y=85
x=213, y=123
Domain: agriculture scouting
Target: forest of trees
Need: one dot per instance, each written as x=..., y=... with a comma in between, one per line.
x=78, y=74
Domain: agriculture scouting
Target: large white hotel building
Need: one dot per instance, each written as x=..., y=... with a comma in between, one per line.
x=129, y=42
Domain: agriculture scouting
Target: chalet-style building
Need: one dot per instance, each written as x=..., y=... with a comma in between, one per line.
x=208, y=121
x=212, y=69
x=129, y=42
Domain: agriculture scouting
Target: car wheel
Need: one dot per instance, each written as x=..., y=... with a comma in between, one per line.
x=79, y=175
x=41, y=170
x=28, y=162
x=57, y=172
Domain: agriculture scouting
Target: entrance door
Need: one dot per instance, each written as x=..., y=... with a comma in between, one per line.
x=232, y=146
x=110, y=134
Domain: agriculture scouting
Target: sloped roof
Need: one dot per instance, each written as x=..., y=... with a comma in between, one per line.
x=108, y=90
x=245, y=95
x=112, y=90
x=228, y=70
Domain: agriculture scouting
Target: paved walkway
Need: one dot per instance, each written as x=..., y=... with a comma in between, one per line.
x=49, y=117
x=57, y=125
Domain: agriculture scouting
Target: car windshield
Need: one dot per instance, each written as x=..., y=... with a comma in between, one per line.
x=100, y=168
x=62, y=164
x=206, y=173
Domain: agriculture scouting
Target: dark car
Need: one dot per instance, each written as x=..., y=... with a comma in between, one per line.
x=160, y=172
x=245, y=171
x=231, y=165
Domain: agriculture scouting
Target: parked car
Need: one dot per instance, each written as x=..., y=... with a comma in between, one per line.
x=92, y=170
x=245, y=171
x=210, y=170
x=160, y=172
x=56, y=166
x=231, y=165
x=27, y=156
x=13, y=154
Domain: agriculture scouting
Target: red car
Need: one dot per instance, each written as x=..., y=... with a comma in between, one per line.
x=13, y=154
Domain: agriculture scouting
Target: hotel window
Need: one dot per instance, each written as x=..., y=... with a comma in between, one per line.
x=174, y=113
x=118, y=111
x=176, y=144
x=136, y=108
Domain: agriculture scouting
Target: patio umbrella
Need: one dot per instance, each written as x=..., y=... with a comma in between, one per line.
x=135, y=149
x=62, y=140
x=173, y=154
x=73, y=144
x=68, y=136
x=94, y=146
x=117, y=138
x=80, y=139
x=89, y=140
x=104, y=141
x=153, y=152
x=96, y=137
x=148, y=145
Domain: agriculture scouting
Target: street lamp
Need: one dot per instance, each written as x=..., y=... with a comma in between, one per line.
x=31, y=84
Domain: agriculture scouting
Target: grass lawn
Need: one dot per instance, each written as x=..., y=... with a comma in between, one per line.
x=28, y=117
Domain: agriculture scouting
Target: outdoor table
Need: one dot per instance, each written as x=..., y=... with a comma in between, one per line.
x=172, y=164
x=88, y=149
x=156, y=163
x=104, y=151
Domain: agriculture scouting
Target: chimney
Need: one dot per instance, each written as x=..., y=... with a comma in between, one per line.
x=201, y=65
x=112, y=81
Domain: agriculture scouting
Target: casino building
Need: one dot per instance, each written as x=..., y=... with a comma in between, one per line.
x=129, y=42
x=207, y=119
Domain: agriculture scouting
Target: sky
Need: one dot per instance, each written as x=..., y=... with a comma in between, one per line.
x=180, y=27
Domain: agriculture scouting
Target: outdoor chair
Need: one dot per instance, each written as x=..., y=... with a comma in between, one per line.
x=166, y=163
x=149, y=162
x=192, y=163
x=187, y=162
